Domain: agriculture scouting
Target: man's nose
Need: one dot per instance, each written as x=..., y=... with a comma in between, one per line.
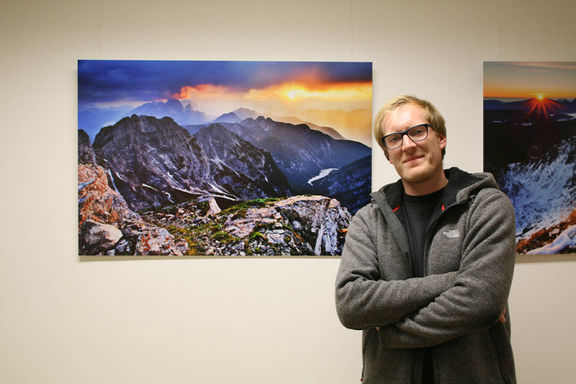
x=407, y=142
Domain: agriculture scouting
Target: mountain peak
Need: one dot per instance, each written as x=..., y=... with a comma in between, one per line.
x=245, y=113
x=229, y=117
x=183, y=115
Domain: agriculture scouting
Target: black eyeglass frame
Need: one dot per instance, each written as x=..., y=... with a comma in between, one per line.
x=406, y=133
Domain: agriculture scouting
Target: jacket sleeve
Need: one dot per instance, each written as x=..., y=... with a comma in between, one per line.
x=363, y=299
x=481, y=290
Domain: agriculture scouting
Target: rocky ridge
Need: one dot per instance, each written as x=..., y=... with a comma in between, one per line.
x=348, y=184
x=298, y=225
x=559, y=238
x=300, y=152
x=106, y=225
x=155, y=162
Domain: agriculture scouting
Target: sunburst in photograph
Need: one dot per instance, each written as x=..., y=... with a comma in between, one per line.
x=221, y=158
x=530, y=147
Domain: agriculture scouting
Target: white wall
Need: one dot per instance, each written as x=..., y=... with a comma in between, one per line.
x=66, y=320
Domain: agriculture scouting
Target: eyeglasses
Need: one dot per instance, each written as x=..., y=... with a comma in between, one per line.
x=416, y=133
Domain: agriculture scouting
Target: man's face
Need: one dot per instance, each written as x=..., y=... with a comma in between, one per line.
x=418, y=163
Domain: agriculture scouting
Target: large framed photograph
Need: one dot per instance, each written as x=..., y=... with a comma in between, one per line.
x=221, y=158
x=530, y=147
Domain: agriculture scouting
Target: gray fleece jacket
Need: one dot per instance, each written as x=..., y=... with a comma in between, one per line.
x=454, y=309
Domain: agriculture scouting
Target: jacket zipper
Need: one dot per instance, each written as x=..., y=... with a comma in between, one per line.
x=426, y=255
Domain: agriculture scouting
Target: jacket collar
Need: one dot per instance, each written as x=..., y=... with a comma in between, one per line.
x=461, y=185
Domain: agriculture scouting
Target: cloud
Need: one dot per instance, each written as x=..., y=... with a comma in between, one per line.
x=115, y=80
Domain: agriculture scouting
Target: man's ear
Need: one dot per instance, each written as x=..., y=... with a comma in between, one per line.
x=441, y=141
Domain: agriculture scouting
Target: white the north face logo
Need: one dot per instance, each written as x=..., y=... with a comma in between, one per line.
x=453, y=233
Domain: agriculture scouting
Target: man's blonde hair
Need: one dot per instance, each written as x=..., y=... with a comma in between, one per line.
x=434, y=117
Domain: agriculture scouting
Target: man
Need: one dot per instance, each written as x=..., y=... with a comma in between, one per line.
x=427, y=267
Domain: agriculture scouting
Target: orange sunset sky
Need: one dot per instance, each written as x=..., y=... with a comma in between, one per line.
x=343, y=106
x=530, y=80
x=333, y=94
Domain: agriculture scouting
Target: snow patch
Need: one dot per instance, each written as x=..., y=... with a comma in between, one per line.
x=542, y=191
x=113, y=181
x=323, y=173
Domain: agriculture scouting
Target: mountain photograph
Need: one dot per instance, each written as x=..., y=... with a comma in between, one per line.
x=196, y=160
x=530, y=147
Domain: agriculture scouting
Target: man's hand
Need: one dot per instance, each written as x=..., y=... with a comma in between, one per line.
x=502, y=318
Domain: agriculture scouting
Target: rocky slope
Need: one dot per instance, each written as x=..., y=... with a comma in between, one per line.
x=300, y=152
x=298, y=225
x=348, y=184
x=532, y=154
x=156, y=162
x=106, y=226
x=559, y=238
x=149, y=186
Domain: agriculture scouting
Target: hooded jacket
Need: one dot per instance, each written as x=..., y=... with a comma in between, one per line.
x=454, y=309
